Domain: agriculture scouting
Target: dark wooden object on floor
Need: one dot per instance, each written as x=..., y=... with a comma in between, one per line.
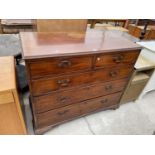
x=71, y=77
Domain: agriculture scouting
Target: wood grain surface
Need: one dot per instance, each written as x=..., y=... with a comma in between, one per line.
x=39, y=45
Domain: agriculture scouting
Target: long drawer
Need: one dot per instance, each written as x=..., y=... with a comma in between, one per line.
x=56, y=116
x=102, y=60
x=56, y=66
x=63, y=98
x=46, y=85
x=100, y=103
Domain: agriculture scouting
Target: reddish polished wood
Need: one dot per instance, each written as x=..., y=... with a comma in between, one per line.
x=71, y=77
x=69, y=112
x=56, y=116
x=61, y=65
x=103, y=60
x=46, y=85
x=99, y=103
x=63, y=98
x=39, y=45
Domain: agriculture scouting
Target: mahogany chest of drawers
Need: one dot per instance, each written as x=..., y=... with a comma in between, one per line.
x=71, y=77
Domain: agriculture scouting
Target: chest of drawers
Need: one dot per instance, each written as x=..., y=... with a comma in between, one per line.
x=71, y=77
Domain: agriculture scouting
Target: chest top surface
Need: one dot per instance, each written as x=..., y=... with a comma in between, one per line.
x=39, y=45
x=7, y=73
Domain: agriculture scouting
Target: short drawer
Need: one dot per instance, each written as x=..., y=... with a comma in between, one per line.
x=116, y=58
x=6, y=97
x=46, y=85
x=100, y=103
x=63, y=98
x=52, y=66
x=56, y=116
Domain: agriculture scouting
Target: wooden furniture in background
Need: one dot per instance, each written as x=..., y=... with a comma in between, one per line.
x=141, y=75
x=0, y=27
x=11, y=118
x=94, y=21
x=70, y=77
x=126, y=25
x=16, y=25
x=110, y=27
x=151, y=35
x=74, y=27
x=131, y=29
x=137, y=30
x=145, y=23
x=142, y=31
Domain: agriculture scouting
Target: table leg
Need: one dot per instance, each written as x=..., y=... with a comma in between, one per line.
x=93, y=24
x=144, y=30
x=1, y=31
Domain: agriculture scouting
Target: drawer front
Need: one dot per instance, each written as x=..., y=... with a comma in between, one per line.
x=6, y=97
x=117, y=58
x=100, y=103
x=58, y=115
x=52, y=66
x=43, y=86
x=63, y=98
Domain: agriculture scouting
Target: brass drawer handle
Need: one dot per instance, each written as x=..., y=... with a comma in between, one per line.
x=113, y=73
x=118, y=58
x=104, y=101
x=108, y=87
x=63, y=112
x=64, y=83
x=64, y=64
x=63, y=99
